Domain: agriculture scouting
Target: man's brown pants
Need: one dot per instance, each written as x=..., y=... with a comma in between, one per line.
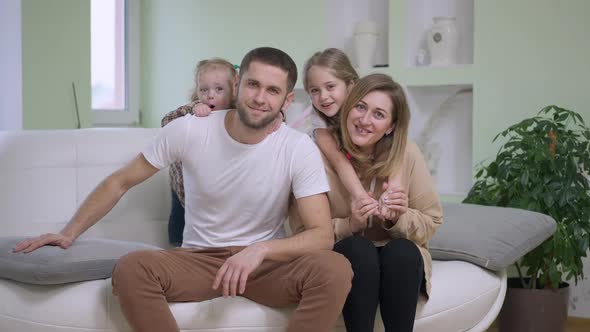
x=145, y=281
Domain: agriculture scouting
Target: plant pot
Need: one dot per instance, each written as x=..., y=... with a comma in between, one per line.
x=533, y=310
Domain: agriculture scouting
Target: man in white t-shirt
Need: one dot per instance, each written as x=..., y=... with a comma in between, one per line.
x=238, y=180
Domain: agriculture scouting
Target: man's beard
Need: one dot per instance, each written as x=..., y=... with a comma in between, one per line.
x=262, y=123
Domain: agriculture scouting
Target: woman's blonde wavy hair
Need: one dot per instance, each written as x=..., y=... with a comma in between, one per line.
x=391, y=148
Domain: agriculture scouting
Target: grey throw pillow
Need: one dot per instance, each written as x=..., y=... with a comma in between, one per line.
x=488, y=236
x=86, y=259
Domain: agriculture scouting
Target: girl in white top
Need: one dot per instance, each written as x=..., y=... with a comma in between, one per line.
x=328, y=77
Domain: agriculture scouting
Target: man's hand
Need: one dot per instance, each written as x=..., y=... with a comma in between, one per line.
x=32, y=244
x=362, y=208
x=234, y=273
x=201, y=110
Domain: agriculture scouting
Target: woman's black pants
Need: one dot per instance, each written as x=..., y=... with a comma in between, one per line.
x=390, y=276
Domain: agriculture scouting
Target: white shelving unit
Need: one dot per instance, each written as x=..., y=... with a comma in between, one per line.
x=441, y=98
x=441, y=105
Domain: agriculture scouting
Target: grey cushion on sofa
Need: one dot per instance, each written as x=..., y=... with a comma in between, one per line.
x=491, y=237
x=86, y=259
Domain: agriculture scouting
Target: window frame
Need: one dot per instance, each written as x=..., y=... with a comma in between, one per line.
x=130, y=116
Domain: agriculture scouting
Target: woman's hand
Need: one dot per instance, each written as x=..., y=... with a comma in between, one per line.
x=362, y=208
x=393, y=202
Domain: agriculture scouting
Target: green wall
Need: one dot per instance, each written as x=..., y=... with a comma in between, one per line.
x=56, y=52
x=177, y=34
x=528, y=54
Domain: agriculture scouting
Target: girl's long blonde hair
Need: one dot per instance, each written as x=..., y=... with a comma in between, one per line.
x=339, y=65
x=391, y=148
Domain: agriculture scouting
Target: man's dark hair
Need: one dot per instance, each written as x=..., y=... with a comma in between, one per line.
x=274, y=57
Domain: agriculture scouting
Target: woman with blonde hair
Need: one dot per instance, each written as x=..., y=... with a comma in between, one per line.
x=388, y=248
x=328, y=78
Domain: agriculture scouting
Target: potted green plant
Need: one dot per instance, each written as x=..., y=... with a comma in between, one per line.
x=543, y=165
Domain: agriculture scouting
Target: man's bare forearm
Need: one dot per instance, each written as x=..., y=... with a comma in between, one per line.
x=102, y=199
x=297, y=245
x=314, y=214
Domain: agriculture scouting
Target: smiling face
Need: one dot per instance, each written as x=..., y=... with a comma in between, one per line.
x=374, y=126
x=262, y=94
x=369, y=120
x=215, y=88
x=327, y=92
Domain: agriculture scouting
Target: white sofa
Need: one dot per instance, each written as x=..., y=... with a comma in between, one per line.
x=45, y=175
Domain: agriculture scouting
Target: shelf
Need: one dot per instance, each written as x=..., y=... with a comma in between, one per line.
x=459, y=74
x=402, y=26
x=426, y=76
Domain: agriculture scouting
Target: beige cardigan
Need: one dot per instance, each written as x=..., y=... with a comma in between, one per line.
x=418, y=224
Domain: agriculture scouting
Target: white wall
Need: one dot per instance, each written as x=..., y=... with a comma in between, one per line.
x=11, y=91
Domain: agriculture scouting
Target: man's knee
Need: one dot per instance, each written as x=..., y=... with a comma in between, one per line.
x=129, y=268
x=333, y=268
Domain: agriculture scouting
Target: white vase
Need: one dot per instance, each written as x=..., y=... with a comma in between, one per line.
x=365, y=44
x=443, y=41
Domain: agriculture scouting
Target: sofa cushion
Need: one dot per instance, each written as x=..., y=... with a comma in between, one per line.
x=488, y=236
x=86, y=259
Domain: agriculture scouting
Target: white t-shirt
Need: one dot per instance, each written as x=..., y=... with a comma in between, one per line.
x=236, y=194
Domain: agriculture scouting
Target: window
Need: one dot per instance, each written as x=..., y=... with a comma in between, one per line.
x=115, y=62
